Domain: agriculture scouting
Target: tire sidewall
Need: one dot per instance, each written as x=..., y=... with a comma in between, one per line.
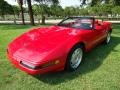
x=106, y=41
x=68, y=66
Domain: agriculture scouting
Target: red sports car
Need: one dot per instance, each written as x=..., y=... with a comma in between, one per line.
x=58, y=47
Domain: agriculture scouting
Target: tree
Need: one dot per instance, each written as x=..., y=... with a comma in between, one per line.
x=101, y=10
x=91, y=3
x=69, y=11
x=5, y=8
x=40, y=9
x=105, y=9
x=75, y=11
x=16, y=10
x=2, y=8
x=83, y=11
x=116, y=10
x=20, y=2
x=43, y=3
x=56, y=10
x=35, y=9
x=113, y=2
x=98, y=2
x=30, y=12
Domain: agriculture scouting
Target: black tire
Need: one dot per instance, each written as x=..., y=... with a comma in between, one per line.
x=108, y=38
x=68, y=65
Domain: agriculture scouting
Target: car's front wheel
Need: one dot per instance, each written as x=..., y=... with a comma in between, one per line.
x=74, y=58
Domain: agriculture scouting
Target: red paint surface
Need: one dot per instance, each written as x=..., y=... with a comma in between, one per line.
x=43, y=45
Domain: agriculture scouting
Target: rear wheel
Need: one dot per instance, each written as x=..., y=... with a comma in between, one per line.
x=108, y=38
x=74, y=58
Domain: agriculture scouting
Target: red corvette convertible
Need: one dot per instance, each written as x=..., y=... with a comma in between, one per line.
x=58, y=47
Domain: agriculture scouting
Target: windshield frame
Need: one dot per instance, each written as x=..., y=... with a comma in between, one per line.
x=92, y=18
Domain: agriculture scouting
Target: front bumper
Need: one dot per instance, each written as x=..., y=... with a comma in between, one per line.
x=32, y=71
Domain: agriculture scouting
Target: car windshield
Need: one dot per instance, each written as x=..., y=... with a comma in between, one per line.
x=81, y=23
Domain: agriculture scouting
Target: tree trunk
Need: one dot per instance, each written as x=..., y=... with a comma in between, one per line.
x=30, y=12
x=18, y=16
x=22, y=14
x=14, y=19
x=43, y=20
x=3, y=16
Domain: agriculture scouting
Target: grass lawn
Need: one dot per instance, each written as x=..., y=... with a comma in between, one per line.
x=100, y=68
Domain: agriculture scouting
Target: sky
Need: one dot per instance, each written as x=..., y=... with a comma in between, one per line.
x=63, y=3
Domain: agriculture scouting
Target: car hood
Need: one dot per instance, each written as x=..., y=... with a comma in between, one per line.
x=36, y=45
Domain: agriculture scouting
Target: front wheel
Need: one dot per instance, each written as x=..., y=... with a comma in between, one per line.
x=74, y=58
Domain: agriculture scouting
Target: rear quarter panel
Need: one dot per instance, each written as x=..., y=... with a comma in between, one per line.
x=107, y=25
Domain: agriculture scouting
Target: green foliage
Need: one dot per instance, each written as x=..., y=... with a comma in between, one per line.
x=56, y=10
x=69, y=11
x=52, y=8
x=97, y=10
x=75, y=11
x=98, y=2
x=40, y=9
x=35, y=9
x=16, y=9
x=43, y=7
x=83, y=11
x=103, y=9
x=5, y=8
x=94, y=10
x=116, y=10
x=114, y=2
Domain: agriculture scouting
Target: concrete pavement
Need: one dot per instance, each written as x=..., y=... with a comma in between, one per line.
x=19, y=22
x=47, y=21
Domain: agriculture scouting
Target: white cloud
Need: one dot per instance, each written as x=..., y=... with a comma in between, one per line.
x=63, y=3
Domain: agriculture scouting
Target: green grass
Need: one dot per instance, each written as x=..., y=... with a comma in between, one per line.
x=100, y=69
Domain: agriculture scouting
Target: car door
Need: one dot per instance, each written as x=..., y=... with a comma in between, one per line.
x=101, y=32
x=93, y=37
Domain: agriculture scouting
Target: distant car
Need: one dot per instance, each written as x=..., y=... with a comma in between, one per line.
x=58, y=47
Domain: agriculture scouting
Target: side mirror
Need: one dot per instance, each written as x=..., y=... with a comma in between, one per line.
x=98, y=27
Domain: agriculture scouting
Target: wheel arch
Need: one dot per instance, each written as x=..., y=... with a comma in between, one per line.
x=75, y=44
x=70, y=50
x=110, y=30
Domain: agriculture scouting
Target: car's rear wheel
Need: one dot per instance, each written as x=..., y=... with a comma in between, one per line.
x=74, y=58
x=108, y=38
